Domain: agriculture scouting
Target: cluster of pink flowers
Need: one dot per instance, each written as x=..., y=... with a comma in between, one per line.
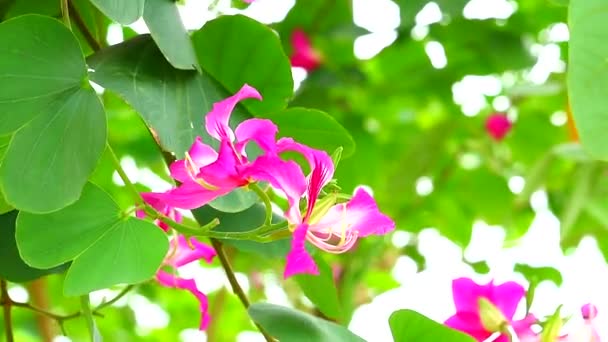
x=485, y=310
x=206, y=174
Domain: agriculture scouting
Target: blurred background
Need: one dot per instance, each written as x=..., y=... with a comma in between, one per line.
x=414, y=82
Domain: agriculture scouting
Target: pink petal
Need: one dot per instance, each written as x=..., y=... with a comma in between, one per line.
x=468, y=323
x=262, y=131
x=155, y=200
x=169, y=280
x=498, y=125
x=466, y=294
x=321, y=169
x=191, y=195
x=224, y=172
x=589, y=311
x=506, y=297
x=200, y=154
x=285, y=176
x=523, y=328
x=298, y=259
x=216, y=122
x=361, y=215
x=303, y=55
x=182, y=254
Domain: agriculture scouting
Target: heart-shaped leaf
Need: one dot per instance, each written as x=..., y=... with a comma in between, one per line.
x=106, y=249
x=62, y=125
x=12, y=267
x=169, y=33
x=321, y=289
x=124, y=12
x=172, y=102
x=236, y=50
x=294, y=326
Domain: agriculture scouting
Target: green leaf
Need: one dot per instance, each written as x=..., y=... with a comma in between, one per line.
x=92, y=233
x=538, y=274
x=583, y=185
x=12, y=267
x=408, y=325
x=169, y=33
x=62, y=123
x=243, y=221
x=124, y=12
x=172, y=102
x=294, y=326
x=235, y=50
x=552, y=327
x=321, y=289
x=314, y=128
x=236, y=201
x=588, y=73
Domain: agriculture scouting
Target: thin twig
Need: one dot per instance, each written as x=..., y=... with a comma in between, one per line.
x=65, y=13
x=6, y=305
x=236, y=287
x=82, y=26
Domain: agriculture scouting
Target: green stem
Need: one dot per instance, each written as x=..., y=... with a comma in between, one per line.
x=134, y=193
x=65, y=13
x=264, y=197
x=115, y=299
x=236, y=287
x=6, y=305
x=88, y=316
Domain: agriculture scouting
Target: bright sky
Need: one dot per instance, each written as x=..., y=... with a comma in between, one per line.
x=584, y=271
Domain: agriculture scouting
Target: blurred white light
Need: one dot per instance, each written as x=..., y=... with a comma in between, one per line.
x=148, y=315
x=192, y=335
x=517, y=184
x=419, y=32
x=539, y=201
x=470, y=161
x=404, y=269
x=274, y=292
x=140, y=26
x=436, y=54
x=115, y=34
x=369, y=45
x=61, y=338
x=548, y=61
x=18, y=294
x=98, y=89
x=299, y=75
x=501, y=103
x=487, y=9
x=429, y=14
x=376, y=15
x=424, y=186
x=250, y=336
x=400, y=238
x=559, y=118
x=559, y=33
x=371, y=125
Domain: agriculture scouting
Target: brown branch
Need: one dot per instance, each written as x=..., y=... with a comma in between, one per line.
x=37, y=290
x=236, y=287
x=82, y=26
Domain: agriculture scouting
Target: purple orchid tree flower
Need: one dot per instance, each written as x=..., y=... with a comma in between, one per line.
x=478, y=319
x=206, y=174
x=334, y=229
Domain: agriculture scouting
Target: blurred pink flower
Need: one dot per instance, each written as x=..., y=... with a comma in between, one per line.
x=206, y=174
x=181, y=253
x=304, y=55
x=587, y=332
x=498, y=125
x=473, y=317
x=332, y=228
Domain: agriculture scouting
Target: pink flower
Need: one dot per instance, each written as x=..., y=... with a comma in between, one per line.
x=498, y=125
x=161, y=208
x=333, y=228
x=304, y=55
x=206, y=174
x=587, y=332
x=469, y=299
x=180, y=254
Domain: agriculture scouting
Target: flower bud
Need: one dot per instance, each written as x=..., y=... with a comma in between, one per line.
x=491, y=317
